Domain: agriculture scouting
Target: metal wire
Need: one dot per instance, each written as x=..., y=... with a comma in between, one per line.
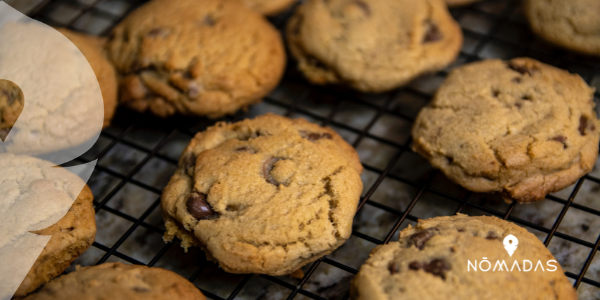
x=497, y=25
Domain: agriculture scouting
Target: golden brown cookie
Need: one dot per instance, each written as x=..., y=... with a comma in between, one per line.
x=572, y=24
x=436, y=259
x=117, y=281
x=266, y=195
x=92, y=49
x=372, y=45
x=181, y=57
x=521, y=127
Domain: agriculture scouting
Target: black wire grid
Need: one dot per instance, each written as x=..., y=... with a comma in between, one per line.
x=136, y=145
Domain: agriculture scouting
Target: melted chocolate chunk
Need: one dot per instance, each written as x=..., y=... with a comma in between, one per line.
x=393, y=268
x=526, y=97
x=209, y=20
x=495, y=93
x=267, y=167
x=433, y=33
x=491, y=236
x=199, y=208
x=156, y=32
x=420, y=238
x=519, y=68
x=245, y=149
x=583, y=123
x=313, y=136
x=561, y=139
x=585, y=227
x=364, y=6
x=437, y=267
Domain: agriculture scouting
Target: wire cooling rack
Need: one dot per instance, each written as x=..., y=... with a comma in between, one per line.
x=139, y=153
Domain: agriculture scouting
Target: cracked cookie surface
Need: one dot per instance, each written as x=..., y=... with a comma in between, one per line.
x=119, y=282
x=520, y=127
x=24, y=182
x=92, y=48
x=372, y=45
x=265, y=195
x=430, y=261
x=572, y=24
x=181, y=57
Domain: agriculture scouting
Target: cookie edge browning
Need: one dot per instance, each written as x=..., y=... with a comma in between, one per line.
x=52, y=261
x=531, y=11
x=371, y=288
x=328, y=75
x=272, y=9
x=182, y=182
x=530, y=189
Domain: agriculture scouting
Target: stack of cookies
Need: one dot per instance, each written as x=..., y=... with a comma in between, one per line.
x=270, y=195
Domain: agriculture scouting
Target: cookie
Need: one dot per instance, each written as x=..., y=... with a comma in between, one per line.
x=521, y=128
x=269, y=7
x=59, y=101
x=119, y=282
x=11, y=106
x=266, y=195
x=92, y=48
x=24, y=178
x=434, y=260
x=572, y=24
x=453, y=3
x=372, y=45
x=181, y=57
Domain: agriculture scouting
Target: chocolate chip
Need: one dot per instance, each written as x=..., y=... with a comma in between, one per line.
x=518, y=68
x=364, y=6
x=436, y=267
x=420, y=238
x=585, y=227
x=491, y=236
x=516, y=80
x=495, y=93
x=561, y=139
x=433, y=33
x=4, y=133
x=393, y=268
x=245, y=149
x=526, y=97
x=140, y=289
x=450, y=159
x=583, y=123
x=209, y=20
x=156, y=32
x=199, y=208
x=313, y=136
x=267, y=167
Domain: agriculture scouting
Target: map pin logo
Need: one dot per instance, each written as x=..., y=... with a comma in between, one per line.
x=510, y=244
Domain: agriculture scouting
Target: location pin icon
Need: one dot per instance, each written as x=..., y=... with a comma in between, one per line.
x=510, y=244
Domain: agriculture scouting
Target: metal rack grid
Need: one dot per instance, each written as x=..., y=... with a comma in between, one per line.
x=492, y=28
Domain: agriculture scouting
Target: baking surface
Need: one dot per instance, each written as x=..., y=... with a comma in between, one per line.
x=138, y=154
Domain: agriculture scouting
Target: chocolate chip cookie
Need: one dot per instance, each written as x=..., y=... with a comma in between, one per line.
x=181, y=57
x=572, y=24
x=521, y=127
x=117, y=281
x=11, y=106
x=435, y=259
x=24, y=181
x=266, y=195
x=61, y=103
x=372, y=45
x=92, y=48
x=269, y=7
